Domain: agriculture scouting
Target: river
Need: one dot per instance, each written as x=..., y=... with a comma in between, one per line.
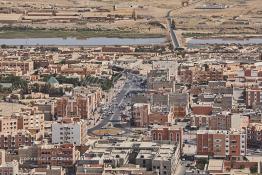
x=97, y=41
x=196, y=42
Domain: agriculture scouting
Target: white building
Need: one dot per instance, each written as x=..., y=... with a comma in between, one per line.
x=69, y=130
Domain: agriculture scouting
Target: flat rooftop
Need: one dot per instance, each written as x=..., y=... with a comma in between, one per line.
x=7, y=109
x=215, y=165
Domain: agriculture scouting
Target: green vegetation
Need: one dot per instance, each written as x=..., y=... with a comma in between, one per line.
x=23, y=32
x=104, y=83
x=253, y=169
x=47, y=89
x=17, y=82
x=200, y=164
x=63, y=79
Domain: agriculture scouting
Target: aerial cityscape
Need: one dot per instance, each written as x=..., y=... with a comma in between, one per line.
x=130, y=87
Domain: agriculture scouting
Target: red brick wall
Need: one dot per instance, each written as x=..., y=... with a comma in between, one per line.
x=179, y=111
x=238, y=164
x=202, y=110
x=157, y=118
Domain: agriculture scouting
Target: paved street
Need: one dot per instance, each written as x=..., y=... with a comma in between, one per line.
x=117, y=101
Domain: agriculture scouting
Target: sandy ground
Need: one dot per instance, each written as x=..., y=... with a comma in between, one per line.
x=221, y=20
x=187, y=19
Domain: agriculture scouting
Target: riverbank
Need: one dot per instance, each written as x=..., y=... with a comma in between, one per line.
x=81, y=34
x=218, y=35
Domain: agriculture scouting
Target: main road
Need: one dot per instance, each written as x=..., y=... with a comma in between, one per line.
x=114, y=105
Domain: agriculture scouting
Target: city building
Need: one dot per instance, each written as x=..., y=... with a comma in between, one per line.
x=170, y=65
x=81, y=104
x=52, y=170
x=29, y=119
x=13, y=140
x=140, y=112
x=119, y=156
x=9, y=168
x=69, y=130
x=222, y=143
x=254, y=135
x=24, y=66
x=167, y=134
x=64, y=155
x=253, y=96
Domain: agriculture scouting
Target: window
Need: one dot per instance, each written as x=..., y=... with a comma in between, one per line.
x=155, y=136
x=171, y=136
x=159, y=136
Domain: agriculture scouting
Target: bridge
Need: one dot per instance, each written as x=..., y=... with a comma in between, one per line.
x=173, y=36
x=172, y=33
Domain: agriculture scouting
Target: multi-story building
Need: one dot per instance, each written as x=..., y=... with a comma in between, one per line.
x=200, y=121
x=16, y=139
x=179, y=104
x=140, y=112
x=253, y=96
x=254, y=135
x=9, y=168
x=2, y=156
x=202, y=109
x=25, y=66
x=159, y=80
x=82, y=104
x=64, y=155
x=8, y=124
x=167, y=134
x=185, y=76
x=152, y=157
x=52, y=170
x=32, y=120
x=220, y=121
x=46, y=107
x=221, y=143
x=69, y=130
x=163, y=161
x=28, y=119
x=207, y=75
x=143, y=115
